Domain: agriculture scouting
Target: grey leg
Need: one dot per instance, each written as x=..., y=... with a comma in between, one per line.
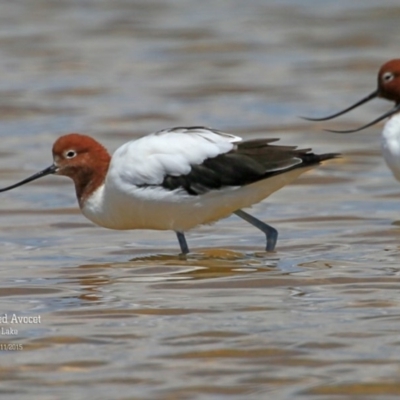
x=182, y=242
x=270, y=232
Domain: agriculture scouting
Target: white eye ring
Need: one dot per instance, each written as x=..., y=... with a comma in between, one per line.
x=70, y=154
x=388, y=76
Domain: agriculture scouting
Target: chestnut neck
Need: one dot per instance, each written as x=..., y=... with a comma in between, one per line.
x=89, y=178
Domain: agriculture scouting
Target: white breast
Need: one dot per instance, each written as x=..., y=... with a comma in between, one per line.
x=391, y=144
x=160, y=209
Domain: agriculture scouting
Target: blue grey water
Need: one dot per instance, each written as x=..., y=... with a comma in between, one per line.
x=121, y=315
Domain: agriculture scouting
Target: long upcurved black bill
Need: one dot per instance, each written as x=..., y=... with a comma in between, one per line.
x=47, y=171
x=371, y=96
x=394, y=110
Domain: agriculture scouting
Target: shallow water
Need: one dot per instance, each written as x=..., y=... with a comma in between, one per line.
x=122, y=316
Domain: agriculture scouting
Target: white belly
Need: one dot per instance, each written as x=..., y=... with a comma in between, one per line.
x=391, y=145
x=157, y=208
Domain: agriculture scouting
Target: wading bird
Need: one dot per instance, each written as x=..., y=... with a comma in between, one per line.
x=176, y=179
x=389, y=89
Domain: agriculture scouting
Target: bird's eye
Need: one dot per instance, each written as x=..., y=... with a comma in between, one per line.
x=387, y=76
x=70, y=154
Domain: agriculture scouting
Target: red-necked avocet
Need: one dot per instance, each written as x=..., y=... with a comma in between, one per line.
x=176, y=179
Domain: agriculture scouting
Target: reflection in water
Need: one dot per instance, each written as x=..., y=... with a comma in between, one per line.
x=209, y=264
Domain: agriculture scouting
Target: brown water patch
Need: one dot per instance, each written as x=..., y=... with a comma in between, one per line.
x=323, y=346
x=321, y=180
x=29, y=111
x=131, y=118
x=77, y=92
x=111, y=313
x=206, y=91
x=236, y=353
x=54, y=211
x=27, y=291
x=325, y=218
x=376, y=282
x=357, y=389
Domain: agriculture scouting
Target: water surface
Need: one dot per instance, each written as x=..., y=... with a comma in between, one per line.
x=122, y=316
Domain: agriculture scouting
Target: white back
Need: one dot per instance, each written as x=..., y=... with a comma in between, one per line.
x=146, y=161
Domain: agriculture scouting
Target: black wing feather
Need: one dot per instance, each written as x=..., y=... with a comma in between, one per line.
x=249, y=162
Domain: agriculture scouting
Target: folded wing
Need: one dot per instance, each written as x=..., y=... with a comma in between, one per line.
x=198, y=160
